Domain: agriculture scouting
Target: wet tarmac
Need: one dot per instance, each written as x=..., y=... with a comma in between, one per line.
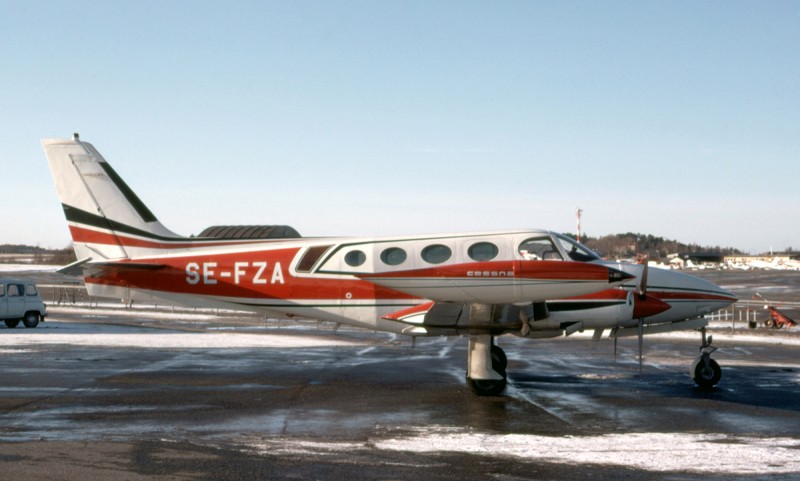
x=101, y=394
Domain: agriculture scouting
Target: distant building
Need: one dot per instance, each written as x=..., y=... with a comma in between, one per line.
x=703, y=257
x=777, y=258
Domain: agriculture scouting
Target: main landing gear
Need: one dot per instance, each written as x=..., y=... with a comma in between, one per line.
x=487, y=363
x=486, y=366
x=705, y=371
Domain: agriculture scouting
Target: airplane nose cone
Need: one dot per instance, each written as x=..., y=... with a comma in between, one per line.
x=617, y=277
x=689, y=296
x=729, y=298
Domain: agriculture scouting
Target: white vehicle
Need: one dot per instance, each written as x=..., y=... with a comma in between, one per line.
x=20, y=301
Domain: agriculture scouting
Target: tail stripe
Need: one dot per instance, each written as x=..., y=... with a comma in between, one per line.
x=82, y=217
x=129, y=194
x=86, y=225
x=105, y=216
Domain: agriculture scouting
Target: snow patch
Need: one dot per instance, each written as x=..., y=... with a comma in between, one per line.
x=655, y=452
x=112, y=336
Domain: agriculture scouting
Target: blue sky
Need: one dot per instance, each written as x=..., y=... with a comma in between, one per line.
x=678, y=119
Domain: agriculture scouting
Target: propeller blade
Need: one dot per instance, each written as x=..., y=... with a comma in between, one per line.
x=642, y=290
x=641, y=342
x=613, y=334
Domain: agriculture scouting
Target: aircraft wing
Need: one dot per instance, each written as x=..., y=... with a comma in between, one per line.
x=453, y=318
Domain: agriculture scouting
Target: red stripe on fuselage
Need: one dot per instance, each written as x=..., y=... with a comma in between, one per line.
x=262, y=274
x=621, y=294
x=689, y=296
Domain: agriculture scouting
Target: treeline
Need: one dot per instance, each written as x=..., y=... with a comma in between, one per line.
x=19, y=249
x=15, y=253
x=632, y=244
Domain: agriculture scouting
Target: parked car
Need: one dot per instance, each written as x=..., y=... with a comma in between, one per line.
x=20, y=301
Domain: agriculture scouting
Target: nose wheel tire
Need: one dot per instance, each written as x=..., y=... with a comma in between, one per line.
x=706, y=374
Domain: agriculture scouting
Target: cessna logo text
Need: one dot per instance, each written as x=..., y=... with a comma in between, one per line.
x=490, y=273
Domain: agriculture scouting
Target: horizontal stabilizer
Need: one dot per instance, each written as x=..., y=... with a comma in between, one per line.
x=129, y=265
x=74, y=269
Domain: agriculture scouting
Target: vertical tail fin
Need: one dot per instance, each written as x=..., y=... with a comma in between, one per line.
x=106, y=219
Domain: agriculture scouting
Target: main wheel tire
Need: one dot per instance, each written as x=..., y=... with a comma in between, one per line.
x=707, y=376
x=12, y=323
x=499, y=360
x=487, y=387
x=31, y=319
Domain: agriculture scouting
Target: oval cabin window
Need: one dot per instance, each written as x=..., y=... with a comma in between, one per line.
x=355, y=258
x=436, y=254
x=393, y=256
x=482, y=251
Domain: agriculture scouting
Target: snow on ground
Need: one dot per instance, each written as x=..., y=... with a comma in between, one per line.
x=787, y=337
x=80, y=334
x=150, y=313
x=182, y=340
x=11, y=268
x=722, y=336
x=701, y=453
x=721, y=333
x=656, y=452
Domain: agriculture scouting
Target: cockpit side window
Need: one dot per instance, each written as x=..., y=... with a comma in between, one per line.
x=576, y=251
x=311, y=257
x=539, y=248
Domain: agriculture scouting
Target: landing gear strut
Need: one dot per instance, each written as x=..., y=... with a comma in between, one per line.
x=486, y=366
x=705, y=371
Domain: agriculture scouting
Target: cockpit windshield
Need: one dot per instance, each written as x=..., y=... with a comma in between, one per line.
x=574, y=250
x=539, y=249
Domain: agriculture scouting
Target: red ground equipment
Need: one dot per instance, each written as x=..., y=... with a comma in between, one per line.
x=777, y=319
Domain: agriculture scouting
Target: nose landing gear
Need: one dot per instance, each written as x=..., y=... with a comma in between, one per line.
x=705, y=371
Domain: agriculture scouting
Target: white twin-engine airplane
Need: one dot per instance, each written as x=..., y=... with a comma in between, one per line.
x=529, y=283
